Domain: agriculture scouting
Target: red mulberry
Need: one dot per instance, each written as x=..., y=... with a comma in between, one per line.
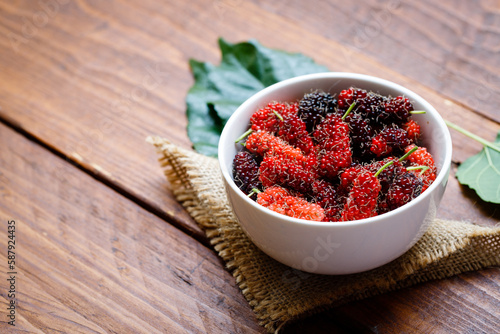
x=277, y=170
x=334, y=144
x=280, y=200
x=421, y=157
x=262, y=142
x=282, y=120
x=413, y=130
x=267, y=118
x=362, y=200
x=293, y=130
x=348, y=96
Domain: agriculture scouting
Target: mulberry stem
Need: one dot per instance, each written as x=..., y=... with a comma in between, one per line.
x=351, y=107
x=254, y=191
x=483, y=141
x=384, y=167
x=407, y=154
x=278, y=115
x=240, y=138
x=423, y=168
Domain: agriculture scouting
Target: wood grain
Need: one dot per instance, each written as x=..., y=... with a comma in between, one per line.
x=450, y=46
x=103, y=107
x=95, y=102
x=432, y=307
x=91, y=261
x=452, y=310
x=90, y=82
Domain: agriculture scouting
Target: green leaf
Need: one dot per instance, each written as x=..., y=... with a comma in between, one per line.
x=481, y=172
x=245, y=69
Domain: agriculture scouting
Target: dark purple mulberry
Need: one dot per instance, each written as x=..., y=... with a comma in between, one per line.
x=404, y=188
x=246, y=172
x=389, y=141
x=313, y=107
x=361, y=133
x=398, y=110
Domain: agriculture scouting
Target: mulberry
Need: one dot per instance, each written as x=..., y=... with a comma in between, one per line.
x=246, y=172
x=349, y=96
x=334, y=145
x=413, y=130
x=277, y=170
x=422, y=158
x=362, y=200
x=328, y=197
x=293, y=130
x=313, y=107
x=389, y=140
x=398, y=109
x=404, y=188
x=280, y=200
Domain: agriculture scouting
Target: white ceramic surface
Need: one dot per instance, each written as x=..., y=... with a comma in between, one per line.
x=336, y=247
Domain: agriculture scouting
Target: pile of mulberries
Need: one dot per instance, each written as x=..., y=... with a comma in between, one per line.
x=334, y=158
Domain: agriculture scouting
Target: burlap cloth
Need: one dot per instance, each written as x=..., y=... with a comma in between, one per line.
x=279, y=294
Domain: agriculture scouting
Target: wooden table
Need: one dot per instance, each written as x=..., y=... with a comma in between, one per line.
x=101, y=244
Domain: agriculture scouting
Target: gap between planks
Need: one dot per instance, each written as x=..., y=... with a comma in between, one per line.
x=106, y=178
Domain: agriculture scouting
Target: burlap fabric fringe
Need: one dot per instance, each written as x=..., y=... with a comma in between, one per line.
x=279, y=294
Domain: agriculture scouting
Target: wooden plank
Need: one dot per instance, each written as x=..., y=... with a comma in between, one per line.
x=103, y=106
x=434, y=307
x=90, y=260
x=99, y=77
x=95, y=101
x=450, y=46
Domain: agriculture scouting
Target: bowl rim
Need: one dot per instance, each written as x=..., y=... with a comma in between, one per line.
x=442, y=173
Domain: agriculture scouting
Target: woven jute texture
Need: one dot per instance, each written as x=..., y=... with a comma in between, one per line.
x=279, y=294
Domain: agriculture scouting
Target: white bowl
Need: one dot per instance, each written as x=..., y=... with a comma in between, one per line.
x=336, y=247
